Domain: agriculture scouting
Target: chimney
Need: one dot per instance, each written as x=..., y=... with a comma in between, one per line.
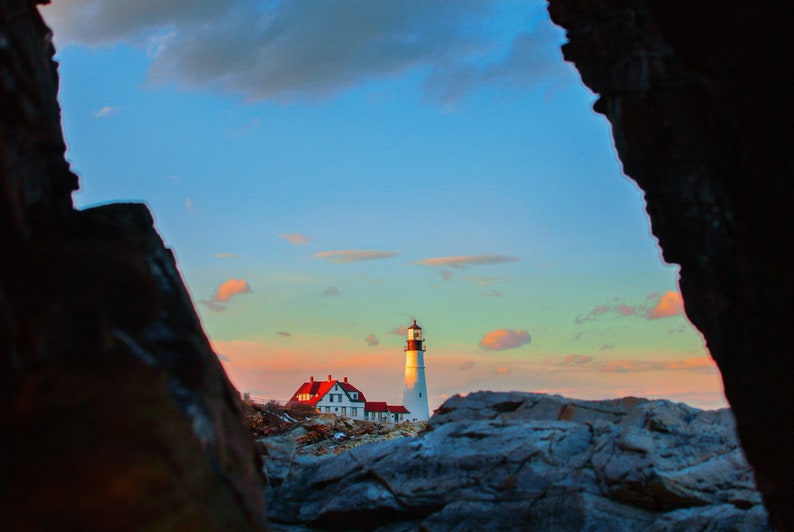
x=329, y=378
x=345, y=380
x=311, y=379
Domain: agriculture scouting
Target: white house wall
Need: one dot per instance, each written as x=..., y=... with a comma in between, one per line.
x=337, y=401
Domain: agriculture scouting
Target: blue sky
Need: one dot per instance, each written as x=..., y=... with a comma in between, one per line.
x=328, y=171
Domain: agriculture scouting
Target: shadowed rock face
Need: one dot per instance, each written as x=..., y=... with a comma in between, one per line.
x=116, y=413
x=519, y=461
x=699, y=95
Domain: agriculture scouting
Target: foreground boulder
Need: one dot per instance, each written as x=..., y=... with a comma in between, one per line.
x=116, y=413
x=699, y=97
x=520, y=461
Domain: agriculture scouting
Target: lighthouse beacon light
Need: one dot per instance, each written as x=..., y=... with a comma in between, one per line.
x=415, y=390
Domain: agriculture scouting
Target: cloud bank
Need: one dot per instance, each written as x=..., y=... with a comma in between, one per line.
x=272, y=50
x=502, y=339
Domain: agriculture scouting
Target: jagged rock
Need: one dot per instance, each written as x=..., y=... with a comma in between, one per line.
x=116, y=412
x=520, y=461
x=699, y=96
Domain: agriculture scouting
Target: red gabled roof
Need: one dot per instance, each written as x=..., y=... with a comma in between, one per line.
x=318, y=389
x=376, y=406
x=398, y=409
x=346, y=386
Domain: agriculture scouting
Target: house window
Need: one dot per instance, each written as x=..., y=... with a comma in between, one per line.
x=328, y=409
x=344, y=410
x=354, y=395
x=331, y=397
x=420, y=394
x=354, y=411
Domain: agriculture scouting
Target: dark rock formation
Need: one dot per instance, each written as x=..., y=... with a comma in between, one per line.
x=100, y=339
x=699, y=95
x=519, y=461
x=116, y=413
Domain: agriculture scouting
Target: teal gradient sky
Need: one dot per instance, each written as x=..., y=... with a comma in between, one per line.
x=326, y=172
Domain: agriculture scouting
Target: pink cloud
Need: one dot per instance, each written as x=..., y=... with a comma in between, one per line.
x=502, y=339
x=461, y=261
x=670, y=304
x=577, y=360
x=295, y=238
x=231, y=288
x=345, y=256
x=702, y=364
x=372, y=340
x=626, y=310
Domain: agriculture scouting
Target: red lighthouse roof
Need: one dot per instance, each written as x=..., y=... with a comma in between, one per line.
x=414, y=326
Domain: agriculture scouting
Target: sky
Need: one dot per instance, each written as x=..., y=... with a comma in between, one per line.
x=328, y=171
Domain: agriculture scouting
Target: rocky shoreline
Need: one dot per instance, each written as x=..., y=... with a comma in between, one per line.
x=517, y=461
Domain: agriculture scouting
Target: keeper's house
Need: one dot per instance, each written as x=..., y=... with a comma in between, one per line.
x=343, y=399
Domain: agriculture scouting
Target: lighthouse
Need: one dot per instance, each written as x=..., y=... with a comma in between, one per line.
x=415, y=391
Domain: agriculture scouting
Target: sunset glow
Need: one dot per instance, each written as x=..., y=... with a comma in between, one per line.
x=325, y=184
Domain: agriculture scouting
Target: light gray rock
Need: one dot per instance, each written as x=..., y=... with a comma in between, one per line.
x=520, y=461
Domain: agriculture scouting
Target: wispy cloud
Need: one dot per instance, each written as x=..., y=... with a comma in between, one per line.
x=297, y=239
x=284, y=334
x=694, y=364
x=467, y=365
x=577, y=360
x=345, y=256
x=502, y=339
x=105, y=111
x=309, y=49
x=371, y=340
x=669, y=304
x=401, y=330
x=462, y=261
x=485, y=281
x=227, y=255
x=493, y=293
x=331, y=291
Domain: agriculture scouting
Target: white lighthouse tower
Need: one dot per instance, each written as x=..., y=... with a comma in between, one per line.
x=415, y=391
